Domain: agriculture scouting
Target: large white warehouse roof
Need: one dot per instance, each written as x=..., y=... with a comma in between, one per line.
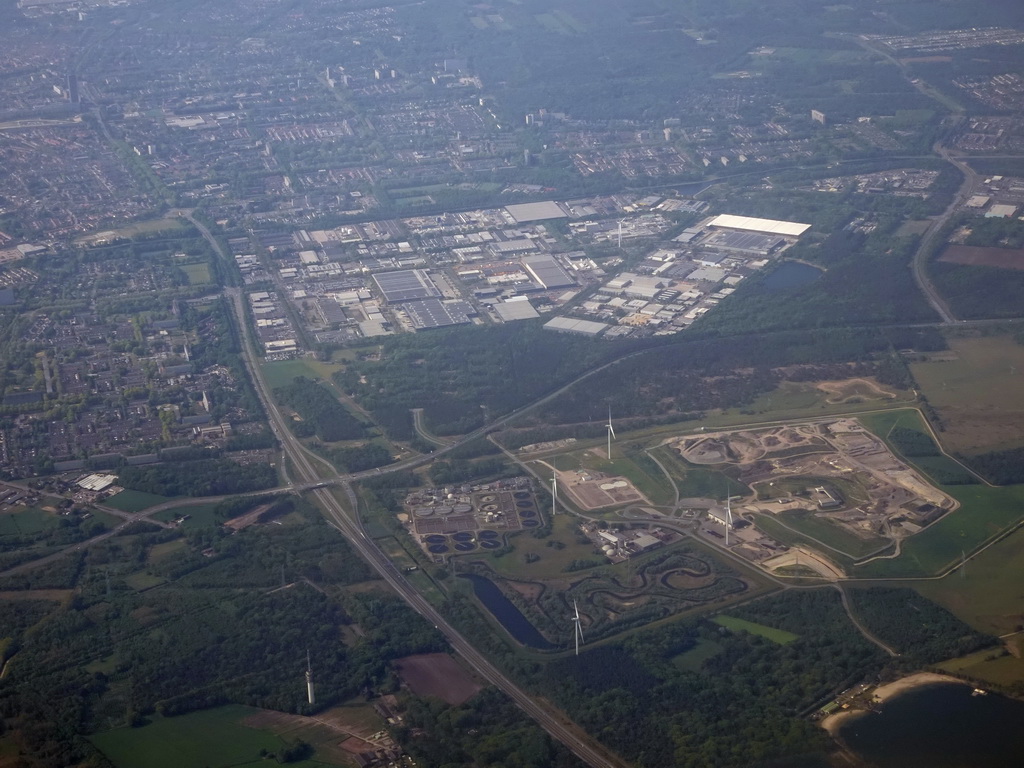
x=770, y=226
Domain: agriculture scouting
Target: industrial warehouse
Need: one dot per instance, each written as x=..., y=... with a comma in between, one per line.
x=514, y=264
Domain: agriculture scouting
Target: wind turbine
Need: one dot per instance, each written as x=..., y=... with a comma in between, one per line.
x=578, y=628
x=310, y=695
x=611, y=433
x=728, y=518
x=554, y=489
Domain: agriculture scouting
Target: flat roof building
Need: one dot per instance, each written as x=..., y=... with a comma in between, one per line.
x=543, y=211
x=572, y=325
x=546, y=271
x=434, y=313
x=406, y=285
x=510, y=311
x=767, y=226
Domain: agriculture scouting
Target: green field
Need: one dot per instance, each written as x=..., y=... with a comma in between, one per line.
x=829, y=533
x=198, y=273
x=163, y=551
x=984, y=513
x=550, y=561
x=279, y=374
x=941, y=470
x=780, y=636
x=26, y=521
x=978, y=392
x=988, y=596
x=697, y=482
x=693, y=659
x=134, y=501
x=200, y=516
x=213, y=738
x=990, y=665
x=651, y=482
x=141, y=581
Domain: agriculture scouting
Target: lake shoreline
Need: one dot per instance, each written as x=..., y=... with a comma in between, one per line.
x=884, y=693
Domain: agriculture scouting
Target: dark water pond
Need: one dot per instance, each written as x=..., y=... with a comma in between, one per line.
x=792, y=274
x=504, y=611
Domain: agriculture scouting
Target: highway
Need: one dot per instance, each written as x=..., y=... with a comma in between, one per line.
x=930, y=239
x=350, y=525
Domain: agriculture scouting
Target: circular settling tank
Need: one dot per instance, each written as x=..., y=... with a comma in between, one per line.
x=438, y=549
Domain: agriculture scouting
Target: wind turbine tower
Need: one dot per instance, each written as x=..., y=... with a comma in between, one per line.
x=309, y=681
x=554, y=490
x=611, y=433
x=728, y=518
x=578, y=627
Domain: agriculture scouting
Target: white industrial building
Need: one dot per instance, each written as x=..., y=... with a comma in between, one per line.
x=767, y=226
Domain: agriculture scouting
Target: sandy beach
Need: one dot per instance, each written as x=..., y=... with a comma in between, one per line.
x=883, y=693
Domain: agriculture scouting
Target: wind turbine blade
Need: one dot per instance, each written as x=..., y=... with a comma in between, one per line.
x=612, y=430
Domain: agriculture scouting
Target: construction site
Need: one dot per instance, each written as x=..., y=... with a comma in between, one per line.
x=828, y=480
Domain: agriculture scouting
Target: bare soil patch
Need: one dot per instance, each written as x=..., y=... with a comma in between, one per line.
x=977, y=256
x=849, y=389
x=249, y=518
x=439, y=675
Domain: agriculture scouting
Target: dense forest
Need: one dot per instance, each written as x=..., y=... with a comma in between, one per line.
x=918, y=629
x=700, y=374
x=163, y=623
x=632, y=693
x=206, y=477
x=1000, y=467
x=320, y=411
x=465, y=375
x=459, y=376
x=487, y=730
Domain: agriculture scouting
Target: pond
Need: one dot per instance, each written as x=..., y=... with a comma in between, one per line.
x=510, y=617
x=792, y=274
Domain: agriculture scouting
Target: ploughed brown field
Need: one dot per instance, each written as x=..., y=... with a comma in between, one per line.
x=437, y=674
x=977, y=256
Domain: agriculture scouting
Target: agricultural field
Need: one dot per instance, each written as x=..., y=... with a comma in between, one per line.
x=977, y=389
x=199, y=516
x=213, y=738
x=281, y=373
x=438, y=675
x=779, y=636
x=994, y=666
x=987, y=595
x=983, y=515
x=26, y=521
x=134, y=501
